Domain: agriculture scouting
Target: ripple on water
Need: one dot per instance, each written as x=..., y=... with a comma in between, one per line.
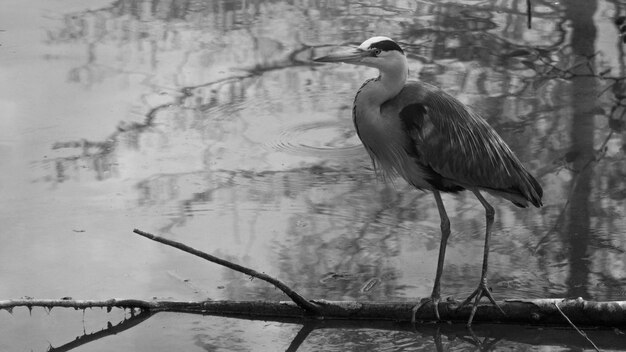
x=327, y=139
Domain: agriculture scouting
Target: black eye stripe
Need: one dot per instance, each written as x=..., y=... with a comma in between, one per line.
x=387, y=45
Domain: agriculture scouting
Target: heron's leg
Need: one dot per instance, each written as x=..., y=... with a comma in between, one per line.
x=483, y=290
x=445, y=233
x=435, y=297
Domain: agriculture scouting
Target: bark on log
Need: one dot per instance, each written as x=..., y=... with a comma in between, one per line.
x=541, y=312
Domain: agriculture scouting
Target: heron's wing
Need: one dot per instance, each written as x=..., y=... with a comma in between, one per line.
x=461, y=146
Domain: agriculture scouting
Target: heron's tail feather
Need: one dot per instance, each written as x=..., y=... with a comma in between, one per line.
x=528, y=190
x=536, y=192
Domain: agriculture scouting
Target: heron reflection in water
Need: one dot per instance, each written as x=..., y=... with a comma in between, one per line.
x=436, y=143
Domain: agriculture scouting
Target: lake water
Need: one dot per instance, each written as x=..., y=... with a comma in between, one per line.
x=207, y=123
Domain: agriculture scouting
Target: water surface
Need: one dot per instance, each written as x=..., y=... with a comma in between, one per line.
x=207, y=123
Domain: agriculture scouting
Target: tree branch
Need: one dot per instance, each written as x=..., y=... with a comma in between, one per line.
x=302, y=302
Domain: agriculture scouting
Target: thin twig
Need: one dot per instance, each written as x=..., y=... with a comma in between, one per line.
x=297, y=298
x=574, y=326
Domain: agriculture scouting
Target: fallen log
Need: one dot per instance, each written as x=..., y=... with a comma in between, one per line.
x=534, y=312
x=481, y=334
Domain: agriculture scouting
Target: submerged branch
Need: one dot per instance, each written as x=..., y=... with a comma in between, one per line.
x=109, y=331
x=296, y=297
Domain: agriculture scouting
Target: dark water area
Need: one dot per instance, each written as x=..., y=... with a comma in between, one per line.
x=208, y=123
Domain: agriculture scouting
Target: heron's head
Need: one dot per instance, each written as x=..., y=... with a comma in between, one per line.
x=379, y=52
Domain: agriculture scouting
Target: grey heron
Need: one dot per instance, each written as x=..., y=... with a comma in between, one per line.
x=417, y=131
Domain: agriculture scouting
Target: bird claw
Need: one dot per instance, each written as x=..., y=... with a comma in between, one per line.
x=480, y=292
x=434, y=300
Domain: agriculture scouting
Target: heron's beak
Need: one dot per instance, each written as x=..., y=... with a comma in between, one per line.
x=347, y=55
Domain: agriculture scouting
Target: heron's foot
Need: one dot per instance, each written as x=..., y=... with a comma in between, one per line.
x=481, y=291
x=434, y=300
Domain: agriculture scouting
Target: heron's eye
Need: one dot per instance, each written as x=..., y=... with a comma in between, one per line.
x=377, y=52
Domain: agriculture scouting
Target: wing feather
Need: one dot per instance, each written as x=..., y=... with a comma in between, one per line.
x=459, y=145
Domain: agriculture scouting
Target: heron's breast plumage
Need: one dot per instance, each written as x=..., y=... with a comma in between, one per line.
x=387, y=143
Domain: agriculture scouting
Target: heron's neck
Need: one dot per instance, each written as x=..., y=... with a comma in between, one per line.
x=388, y=84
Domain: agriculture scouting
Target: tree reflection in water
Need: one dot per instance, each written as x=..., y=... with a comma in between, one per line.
x=211, y=142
